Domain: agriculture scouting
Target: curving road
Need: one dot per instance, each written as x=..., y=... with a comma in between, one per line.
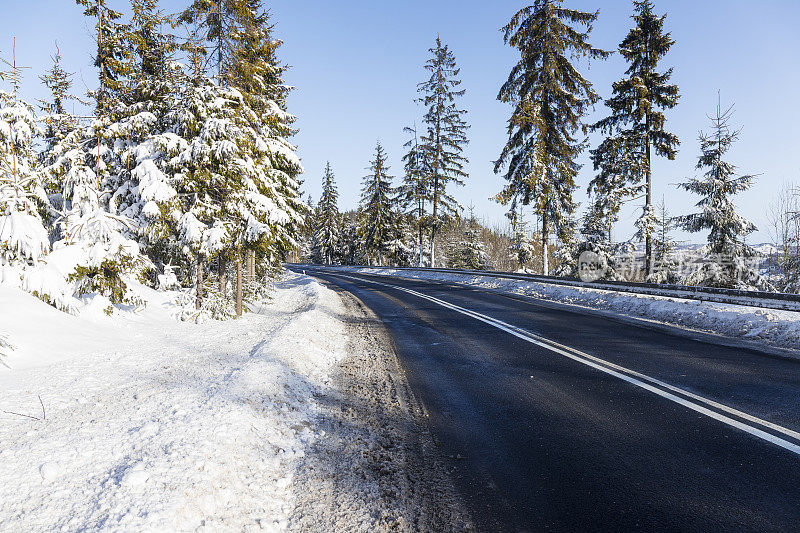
x=556, y=420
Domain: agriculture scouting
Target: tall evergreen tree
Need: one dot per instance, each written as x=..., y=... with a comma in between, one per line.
x=637, y=120
x=111, y=57
x=550, y=98
x=415, y=192
x=376, y=214
x=23, y=238
x=327, y=230
x=445, y=136
x=727, y=252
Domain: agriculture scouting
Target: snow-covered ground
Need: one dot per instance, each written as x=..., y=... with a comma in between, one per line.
x=770, y=328
x=148, y=423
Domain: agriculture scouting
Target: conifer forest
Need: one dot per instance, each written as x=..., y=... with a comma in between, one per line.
x=182, y=170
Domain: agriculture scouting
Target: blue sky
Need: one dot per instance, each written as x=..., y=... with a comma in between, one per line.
x=356, y=65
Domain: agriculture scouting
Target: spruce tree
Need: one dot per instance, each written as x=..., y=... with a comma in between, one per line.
x=550, y=98
x=664, y=262
x=326, y=235
x=726, y=253
x=414, y=193
x=111, y=57
x=522, y=247
x=245, y=55
x=445, y=136
x=57, y=120
x=376, y=213
x=23, y=238
x=58, y=125
x=636, y=123
x=468, y=252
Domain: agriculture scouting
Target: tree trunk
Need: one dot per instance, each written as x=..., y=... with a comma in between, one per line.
x=251, y=265
x=199, y=283
x=434, y=221
x=545, y=251
x=421, y=245
x=648, y=268
x=239, y=283
x=223, y=278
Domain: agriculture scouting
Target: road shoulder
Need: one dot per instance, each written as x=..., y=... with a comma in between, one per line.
x=377, y=468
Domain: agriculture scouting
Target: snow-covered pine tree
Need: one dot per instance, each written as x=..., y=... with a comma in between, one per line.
x=350, y=249
x=400, y=249
x=468, y=252
x=414, y=194
x=665, y=263
x=23, y=237
x=636, y=123
x=595, y=241
x=376, y=216
x=726, y=253
x=326, y=234
x=522, y=247
x=143, y=188
x=258, y=74
x=550, y=98
x=58, y=122
x=111, y=58
x=90, y=247
x=445, y=136
x=245, y=52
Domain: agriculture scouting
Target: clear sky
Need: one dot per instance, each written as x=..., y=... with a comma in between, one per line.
x=356, y=65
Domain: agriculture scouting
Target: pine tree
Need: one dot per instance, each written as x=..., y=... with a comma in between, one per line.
x=468, y=252
x=727, y=252
x=664, y=262
x=376, y=214
x=245, y=52
x=327, y=232
x=58, y=125
x=415, y=192
x=637, y=117
x=522, y=247
x=445, y=136
x=550, y=98
x=23, y=238
x=57, y=120
x=349, y=249
x=111, y=58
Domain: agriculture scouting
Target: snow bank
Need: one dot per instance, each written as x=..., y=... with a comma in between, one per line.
x=780, y=329
x=153, y=424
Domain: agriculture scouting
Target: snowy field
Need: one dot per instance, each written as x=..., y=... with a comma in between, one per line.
x=762, y=327
x=157, y=424
x=148, y=423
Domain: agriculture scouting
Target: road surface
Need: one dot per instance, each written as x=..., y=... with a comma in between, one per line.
x=555, y=420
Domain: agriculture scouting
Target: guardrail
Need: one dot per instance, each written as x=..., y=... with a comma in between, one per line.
x=767, y=300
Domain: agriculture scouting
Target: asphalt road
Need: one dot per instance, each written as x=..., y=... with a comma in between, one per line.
x=557, y=420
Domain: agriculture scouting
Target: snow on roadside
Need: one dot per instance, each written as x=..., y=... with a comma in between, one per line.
x=777, y=328
x=155, y=424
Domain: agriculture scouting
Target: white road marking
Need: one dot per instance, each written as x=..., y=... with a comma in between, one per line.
x=631, y=376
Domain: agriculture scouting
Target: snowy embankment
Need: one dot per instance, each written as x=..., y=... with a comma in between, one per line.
x=751, y=325
x=148, y=423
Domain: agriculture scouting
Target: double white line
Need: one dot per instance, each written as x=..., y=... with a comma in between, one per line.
x=720, y=412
